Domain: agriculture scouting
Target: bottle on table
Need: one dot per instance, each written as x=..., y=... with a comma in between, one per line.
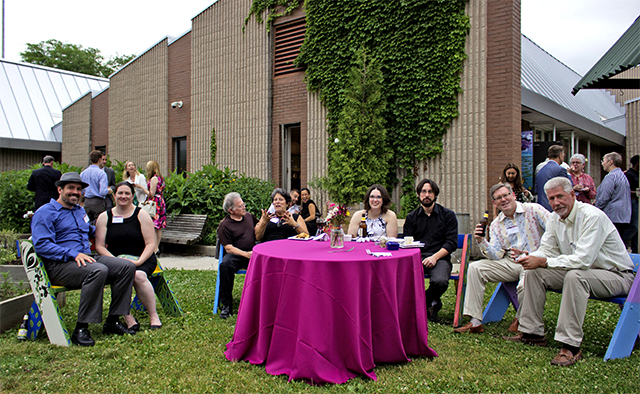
x=484, y=222
x=362, y=228
x=22, y=331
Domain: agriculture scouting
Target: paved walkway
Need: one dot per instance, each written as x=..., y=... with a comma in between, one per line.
x=188, y=262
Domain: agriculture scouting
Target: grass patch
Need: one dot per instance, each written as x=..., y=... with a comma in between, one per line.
x=186, y=355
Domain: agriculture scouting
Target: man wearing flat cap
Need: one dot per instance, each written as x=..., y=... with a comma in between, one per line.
x=61, y=232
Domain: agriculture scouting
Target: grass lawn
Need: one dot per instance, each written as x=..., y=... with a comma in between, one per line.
x=186, y=355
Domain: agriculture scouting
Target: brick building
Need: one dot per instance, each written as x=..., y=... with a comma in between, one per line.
x=165, y=104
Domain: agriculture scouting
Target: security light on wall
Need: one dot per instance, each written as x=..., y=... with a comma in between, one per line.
x=176, y=104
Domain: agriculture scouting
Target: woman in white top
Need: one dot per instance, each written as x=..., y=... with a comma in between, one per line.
x=132, y=175
x=380, y=219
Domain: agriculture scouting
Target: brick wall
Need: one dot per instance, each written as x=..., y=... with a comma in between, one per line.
x=289, y=106
x=179, y=90
x=503, y=95
x=138, y=106
x=100, y=120
x=76, y=132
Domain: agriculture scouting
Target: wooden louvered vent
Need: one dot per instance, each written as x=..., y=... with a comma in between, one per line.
x=289, y=38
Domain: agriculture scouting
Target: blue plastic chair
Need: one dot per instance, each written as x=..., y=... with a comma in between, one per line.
x=216, y=299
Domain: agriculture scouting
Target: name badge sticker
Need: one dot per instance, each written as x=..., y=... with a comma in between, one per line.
x=86, y=218
x=274, y=220
x=118, y=219
x=512, y=230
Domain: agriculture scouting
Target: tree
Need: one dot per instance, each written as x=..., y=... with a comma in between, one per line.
x=359, y=155
x=71, y=57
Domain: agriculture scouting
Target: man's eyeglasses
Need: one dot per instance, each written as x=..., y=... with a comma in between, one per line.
x=502, y=197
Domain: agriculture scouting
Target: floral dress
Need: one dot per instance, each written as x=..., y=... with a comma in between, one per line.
x=160, y=221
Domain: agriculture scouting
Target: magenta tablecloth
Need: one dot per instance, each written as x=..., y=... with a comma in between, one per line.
x=327, y=317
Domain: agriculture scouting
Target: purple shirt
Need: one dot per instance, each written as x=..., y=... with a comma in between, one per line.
x=613, y=197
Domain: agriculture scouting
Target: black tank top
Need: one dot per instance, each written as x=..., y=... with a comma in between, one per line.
x=125, y=237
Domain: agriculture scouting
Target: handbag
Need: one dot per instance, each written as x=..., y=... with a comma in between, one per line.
x=149, y=207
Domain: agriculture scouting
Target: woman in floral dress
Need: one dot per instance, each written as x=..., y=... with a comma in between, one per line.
x=155, y=188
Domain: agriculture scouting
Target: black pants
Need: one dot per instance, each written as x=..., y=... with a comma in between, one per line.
x=227, y=271
x=438, y=280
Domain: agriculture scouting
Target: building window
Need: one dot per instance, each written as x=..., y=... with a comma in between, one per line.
x=101, y=148
x=180, y=159
x=288, y=40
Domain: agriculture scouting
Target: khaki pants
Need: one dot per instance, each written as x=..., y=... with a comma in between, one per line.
x=483, y=271
x=577, y=286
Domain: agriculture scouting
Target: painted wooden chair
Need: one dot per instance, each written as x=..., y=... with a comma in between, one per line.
x=626, y=332
x=45, y=310
x=459, y=278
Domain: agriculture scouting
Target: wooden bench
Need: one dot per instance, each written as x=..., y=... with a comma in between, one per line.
x=184, y=229
x=46, y=311
x=626, y=332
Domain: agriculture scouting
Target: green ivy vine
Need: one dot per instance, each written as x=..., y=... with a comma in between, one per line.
x=420, y=46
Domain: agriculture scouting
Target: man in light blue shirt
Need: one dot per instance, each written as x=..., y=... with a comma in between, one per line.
x=613, y=195
x=96, y=193
x=61, y=232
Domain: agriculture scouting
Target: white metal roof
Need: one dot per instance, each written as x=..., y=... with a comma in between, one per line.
x=545, y=78
x=31, y=101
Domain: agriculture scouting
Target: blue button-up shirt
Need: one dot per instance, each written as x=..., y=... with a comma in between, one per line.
x=614, y=197
x=60, y=234
x=97, y=180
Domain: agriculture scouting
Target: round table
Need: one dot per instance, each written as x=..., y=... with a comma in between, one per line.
x=325, y=316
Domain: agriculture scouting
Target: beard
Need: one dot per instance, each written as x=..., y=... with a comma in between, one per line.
x=427, y=202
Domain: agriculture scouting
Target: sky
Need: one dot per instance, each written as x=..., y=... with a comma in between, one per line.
x=576, y=32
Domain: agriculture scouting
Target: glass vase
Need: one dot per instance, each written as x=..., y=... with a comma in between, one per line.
x=336, y=238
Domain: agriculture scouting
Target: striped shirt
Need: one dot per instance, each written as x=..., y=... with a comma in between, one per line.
x=523, y=232
x=613, y=197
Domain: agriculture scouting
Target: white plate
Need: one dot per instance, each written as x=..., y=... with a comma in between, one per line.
x=413, y=245
x=300, y=239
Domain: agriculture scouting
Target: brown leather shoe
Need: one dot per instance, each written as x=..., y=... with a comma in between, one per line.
x=565, y=358
x=514, y=326
x=470, y=328
x=528, y=341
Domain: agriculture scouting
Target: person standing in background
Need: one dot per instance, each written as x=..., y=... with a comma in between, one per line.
x=98, y=189
x=631, y=234
x=613, y=194
x=43, y=182
x=111, y=180
x=583, y=184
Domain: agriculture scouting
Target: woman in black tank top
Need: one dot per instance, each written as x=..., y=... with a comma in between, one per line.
x=127, y=230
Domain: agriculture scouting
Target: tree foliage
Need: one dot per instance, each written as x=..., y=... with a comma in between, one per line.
x=71, y=57
x=359, y=155
x=420, y=45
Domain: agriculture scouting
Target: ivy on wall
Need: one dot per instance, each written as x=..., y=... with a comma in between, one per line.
x=420, y=46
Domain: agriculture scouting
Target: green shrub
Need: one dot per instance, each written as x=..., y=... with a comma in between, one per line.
x=15, y=200
x=203, y=193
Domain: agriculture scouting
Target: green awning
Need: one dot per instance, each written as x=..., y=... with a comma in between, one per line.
x=623, y=55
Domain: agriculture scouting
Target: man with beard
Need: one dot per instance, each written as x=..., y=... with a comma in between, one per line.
x=61, y=232
x=580, y=254
x=517, y=228
x=436, y=227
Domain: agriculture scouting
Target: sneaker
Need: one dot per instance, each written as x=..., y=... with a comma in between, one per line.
x=82, y=337
x=116, y=328
x=225, y=312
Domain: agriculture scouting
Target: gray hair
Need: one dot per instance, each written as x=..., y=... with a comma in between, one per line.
x=499, y=186
x=578, y=156
x=48, y=159
x=230, y=201
x=615, y=157
x=556, y=182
